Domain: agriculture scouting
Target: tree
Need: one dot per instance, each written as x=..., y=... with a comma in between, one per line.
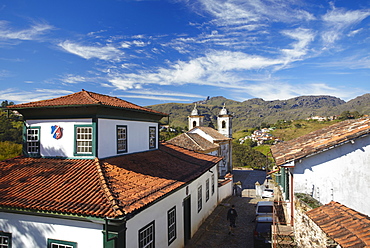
x=245, y=156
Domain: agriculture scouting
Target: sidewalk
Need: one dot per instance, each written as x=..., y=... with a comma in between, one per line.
x=214, y=231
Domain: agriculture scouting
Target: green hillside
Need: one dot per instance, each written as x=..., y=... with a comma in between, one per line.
x=256, y=112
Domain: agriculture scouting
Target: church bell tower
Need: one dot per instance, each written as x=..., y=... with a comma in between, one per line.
x=224, y=122
x=195, y=120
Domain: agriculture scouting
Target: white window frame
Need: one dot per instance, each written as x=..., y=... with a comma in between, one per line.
x=200, y=198
x=121, y=139
x=146, y=236
x=33, y=140
x=84, y=141
x=152, y=137
x=171, y=225
x=207, y=189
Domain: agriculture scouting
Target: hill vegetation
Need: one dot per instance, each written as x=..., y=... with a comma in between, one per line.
x=256, y=112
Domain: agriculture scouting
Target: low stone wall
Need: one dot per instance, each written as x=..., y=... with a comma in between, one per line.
x=306, y=232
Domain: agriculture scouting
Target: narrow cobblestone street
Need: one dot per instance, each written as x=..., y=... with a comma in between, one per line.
x=214, y=231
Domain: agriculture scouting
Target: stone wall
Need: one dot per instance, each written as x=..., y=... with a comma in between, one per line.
x=306, y=232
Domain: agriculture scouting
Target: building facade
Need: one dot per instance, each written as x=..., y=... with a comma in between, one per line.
x=93, y=174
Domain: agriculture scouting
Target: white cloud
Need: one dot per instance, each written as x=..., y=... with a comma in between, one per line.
x=73, y=79
x=32, y=33
x=88, y=52
x=337, y=20
x=18, y=96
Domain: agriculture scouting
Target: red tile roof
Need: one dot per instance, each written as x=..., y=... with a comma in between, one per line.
x=194, y=142
x=84, y=98
x=320, y=140
x=344, y=225
x=105, y=188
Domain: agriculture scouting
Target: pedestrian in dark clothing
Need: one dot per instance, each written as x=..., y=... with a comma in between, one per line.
x=231, y=216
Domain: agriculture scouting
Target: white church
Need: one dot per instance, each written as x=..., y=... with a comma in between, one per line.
x=208, y=140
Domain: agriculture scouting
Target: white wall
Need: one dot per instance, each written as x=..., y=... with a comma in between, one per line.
x=32, y=232
x=137, y=135
x=225, y=191
x=64, y=146
x=158, y=213
x=340, y=174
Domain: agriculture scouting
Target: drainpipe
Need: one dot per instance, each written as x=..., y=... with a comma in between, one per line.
x=115, y=238
x=292, y=201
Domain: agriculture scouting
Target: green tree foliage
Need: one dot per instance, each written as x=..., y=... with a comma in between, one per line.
x=10, y=130
x=345, y=115
x=9, y=150
x=245, y=156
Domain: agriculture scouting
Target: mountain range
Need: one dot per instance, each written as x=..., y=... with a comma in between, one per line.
x=254, y=112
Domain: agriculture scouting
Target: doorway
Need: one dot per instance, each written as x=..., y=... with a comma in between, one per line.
x=187, y=219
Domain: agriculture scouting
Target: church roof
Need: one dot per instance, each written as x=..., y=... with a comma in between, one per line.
x=100, y=188
x=85, y=98
x=193, y=141
x=211, y=132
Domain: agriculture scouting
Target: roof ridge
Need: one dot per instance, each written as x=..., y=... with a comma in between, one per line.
x=89, y=95
x=193, y=141
x=107, y=191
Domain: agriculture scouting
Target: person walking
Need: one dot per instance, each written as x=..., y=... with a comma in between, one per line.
x=231, y=216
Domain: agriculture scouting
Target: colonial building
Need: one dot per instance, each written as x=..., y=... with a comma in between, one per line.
x=93, y=174
x=208, y=140
x=332, y=165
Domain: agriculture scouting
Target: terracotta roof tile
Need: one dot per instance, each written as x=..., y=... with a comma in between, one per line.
x=57, y=185
x=346, y=226
x=193, y=141
x=106, y=188
x=85, y=98
x=141, y=178
x=211, y=132
x=320, y=140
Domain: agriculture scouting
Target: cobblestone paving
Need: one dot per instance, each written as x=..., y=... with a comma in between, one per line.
x=214, y=231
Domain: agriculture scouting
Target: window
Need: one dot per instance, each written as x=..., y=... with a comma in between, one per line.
x=121, y=139
x=171, y=223
x=33, y=141
x=5, y=240
x=223, y=124
x=53, y=243
x=207, y=189
x=152, y=139
x=84, y=140
x=194, y=124
x=146, y=236
x=213, y=184
x=199, y=198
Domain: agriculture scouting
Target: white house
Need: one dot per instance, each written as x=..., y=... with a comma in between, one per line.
x=208, y=140
x=93, y=174
x=330, y=164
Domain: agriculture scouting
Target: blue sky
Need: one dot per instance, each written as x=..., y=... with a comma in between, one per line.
x=152, y=52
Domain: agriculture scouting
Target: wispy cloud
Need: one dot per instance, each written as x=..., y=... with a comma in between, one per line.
x=32, y=33
x=19, y=96
x=338, y=20
x=107, y=52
